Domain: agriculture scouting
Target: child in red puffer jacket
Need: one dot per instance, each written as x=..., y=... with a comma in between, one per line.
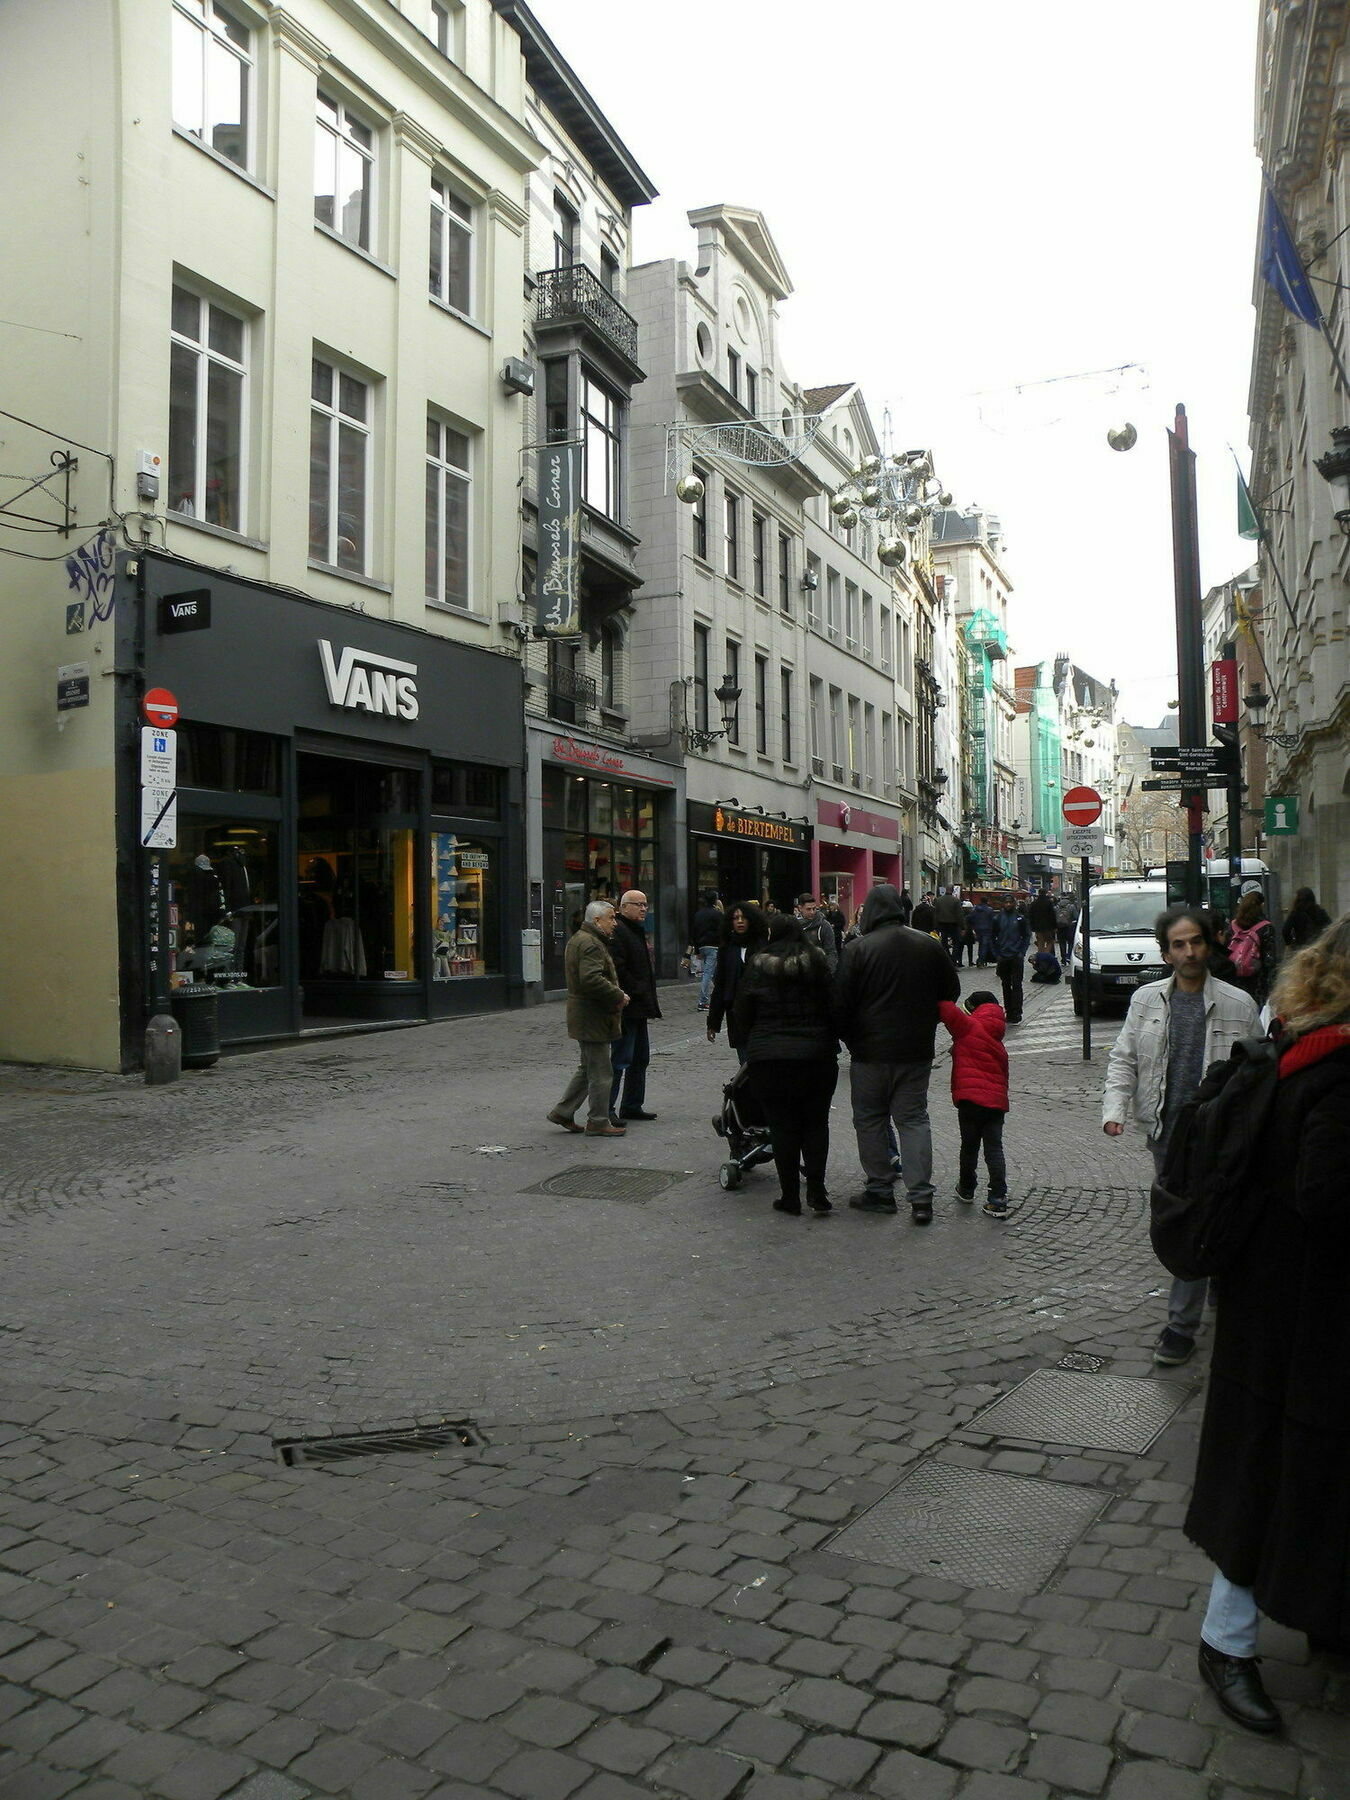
x=980, y=1090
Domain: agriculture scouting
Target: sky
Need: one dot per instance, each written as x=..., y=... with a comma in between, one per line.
x=974, y=201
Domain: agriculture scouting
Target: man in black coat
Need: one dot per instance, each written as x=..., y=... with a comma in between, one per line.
x=886, y=993
x=632, y=1048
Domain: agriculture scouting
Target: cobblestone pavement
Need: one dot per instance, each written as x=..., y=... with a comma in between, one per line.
x=630, y=1580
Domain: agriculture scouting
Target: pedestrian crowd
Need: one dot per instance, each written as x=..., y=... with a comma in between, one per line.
x=1248, y=1130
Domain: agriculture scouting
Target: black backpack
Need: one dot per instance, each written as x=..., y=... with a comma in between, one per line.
x=1203, y=1204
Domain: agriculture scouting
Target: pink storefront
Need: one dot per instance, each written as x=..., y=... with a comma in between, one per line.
x=852, y=849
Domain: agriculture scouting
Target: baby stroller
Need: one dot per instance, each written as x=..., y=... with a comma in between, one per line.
x=741, y=1125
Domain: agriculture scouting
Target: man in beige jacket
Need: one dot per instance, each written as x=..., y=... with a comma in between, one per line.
x=594, y=1002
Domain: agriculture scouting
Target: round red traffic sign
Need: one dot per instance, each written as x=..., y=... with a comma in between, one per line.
x=1082, y=806
x=160, y=707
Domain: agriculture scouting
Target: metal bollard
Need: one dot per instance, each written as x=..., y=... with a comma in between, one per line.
x=163, y=1050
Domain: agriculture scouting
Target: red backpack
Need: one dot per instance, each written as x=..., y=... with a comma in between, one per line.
x=1244, y=949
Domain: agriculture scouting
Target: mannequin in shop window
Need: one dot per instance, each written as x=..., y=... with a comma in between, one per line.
x=205, y=896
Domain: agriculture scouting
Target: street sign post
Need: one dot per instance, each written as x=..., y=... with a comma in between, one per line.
x=160, y=707
x=1085, y=838
x=1281, y=815
x=1195, y=760
x=1085, y=841
x=1082, y=806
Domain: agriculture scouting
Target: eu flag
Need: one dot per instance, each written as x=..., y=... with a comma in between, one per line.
x=1280, y=265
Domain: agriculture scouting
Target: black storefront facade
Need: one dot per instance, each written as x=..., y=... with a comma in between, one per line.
x=747, y=855
x=349, y=801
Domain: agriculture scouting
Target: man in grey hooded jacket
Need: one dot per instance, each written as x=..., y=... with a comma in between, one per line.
x=886, y=993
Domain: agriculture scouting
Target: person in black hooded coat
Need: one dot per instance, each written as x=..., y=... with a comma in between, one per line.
x=783, y=1020
x=886, y=993
x=1271, y=1505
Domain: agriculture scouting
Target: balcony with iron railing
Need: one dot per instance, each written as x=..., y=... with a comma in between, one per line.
x=565, y=296
x=571, y=694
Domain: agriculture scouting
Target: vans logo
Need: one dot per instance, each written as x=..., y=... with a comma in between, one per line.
x=370, y=683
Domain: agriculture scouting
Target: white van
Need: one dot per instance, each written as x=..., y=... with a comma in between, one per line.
x=1124, y=951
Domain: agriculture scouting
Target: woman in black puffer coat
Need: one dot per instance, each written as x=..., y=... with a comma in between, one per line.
x=782, y=1017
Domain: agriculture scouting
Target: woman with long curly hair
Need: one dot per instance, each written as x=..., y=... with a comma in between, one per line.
x=1272, y=1489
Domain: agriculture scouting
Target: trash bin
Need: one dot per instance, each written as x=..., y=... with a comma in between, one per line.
x=197, y=1010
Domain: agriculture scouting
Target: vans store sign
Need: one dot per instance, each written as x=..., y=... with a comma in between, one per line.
x=368, y=683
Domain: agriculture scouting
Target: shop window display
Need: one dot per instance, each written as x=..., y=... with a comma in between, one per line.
x=466, y=934
x=223, y=902
x=356, y=839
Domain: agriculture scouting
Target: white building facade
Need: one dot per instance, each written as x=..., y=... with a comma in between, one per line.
x=271, y=340
x=1303, y=139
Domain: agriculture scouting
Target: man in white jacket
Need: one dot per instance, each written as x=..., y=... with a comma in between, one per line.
x=1173, y=1031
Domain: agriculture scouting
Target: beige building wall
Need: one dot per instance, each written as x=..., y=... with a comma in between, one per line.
x=108, y=203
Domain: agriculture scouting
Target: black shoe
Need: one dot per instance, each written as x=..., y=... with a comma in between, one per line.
x=637, y=1113
x=787, y=1206
x=922, y=1212
x=869, y=1203
x=819, y=1203
x=1238, y=1688
x=1172, y=1349
x=961, y=1194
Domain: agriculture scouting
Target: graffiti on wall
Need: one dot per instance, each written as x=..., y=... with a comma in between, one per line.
x=91, y=571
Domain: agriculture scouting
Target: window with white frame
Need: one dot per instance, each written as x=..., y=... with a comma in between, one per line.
x=869, y=745
x=852, y=625
x=868, y=626
x=449, y=513
x=340, y=426
x=759, y=553
x=344, y=172
x=885, y=637
x=208, y=376
x=447, y=27
x=816, y=709
x=602, y=436
x=566, y=230
x=451, y=259
x=733, y=679
x=785, y=712
x=762, y=705
x=837, y=742
x=784, y=572
x=832, y=602
x=731, y=533
x=888, y=768
x=213, y=77
x=610, y=648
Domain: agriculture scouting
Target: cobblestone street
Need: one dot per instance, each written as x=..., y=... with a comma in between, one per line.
x=656, y=1556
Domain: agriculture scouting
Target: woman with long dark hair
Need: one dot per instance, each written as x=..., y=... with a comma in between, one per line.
x=744, y=933
x=1305, y=920
x=1273, y=1473
x=782, y=1018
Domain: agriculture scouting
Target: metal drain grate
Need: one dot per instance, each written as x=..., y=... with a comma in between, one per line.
x=455, y=1434
x=1098, y=1412
x=585, y=1182
x=1089, y=1365
x=973, y=1527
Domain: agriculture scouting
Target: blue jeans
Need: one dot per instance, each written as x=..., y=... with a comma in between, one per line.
x=1185, y=1299
x=629, y=1059
x=709, y=956
x=1231, y=1620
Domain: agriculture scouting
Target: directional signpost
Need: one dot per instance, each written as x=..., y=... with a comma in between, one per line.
x=159, y=829
x=1084, y=838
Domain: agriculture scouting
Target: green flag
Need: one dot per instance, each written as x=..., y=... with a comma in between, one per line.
x=1247, y=523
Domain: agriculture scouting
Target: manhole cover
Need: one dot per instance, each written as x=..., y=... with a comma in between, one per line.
x=585, y=1182
x=453, y=1434
x=974, y=1528
x=1100, y=1412
x=1077, y=1360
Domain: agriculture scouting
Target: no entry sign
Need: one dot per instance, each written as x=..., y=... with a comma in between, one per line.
x=160, y=708
x=1082, y=806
